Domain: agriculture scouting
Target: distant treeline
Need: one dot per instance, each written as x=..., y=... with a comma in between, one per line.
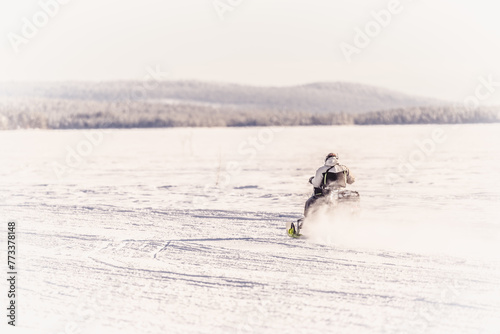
x=46, y=113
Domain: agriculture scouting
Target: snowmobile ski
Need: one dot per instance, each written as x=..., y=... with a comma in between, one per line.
x=292, y=230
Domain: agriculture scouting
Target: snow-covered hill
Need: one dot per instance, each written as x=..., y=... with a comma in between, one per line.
x=318, y=97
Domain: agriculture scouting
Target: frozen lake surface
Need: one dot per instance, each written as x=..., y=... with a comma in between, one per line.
x=183, y=230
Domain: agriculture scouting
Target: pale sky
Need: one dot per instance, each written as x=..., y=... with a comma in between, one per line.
x=436, y=48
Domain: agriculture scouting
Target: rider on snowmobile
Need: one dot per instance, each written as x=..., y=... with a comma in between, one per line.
x=329, y=177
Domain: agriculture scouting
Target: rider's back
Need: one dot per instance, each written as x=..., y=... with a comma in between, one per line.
x=332, y=175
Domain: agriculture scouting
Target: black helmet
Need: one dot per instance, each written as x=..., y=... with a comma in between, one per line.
x=330, y=155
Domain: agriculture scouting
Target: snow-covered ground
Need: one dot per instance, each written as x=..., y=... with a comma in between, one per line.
x=183, y=230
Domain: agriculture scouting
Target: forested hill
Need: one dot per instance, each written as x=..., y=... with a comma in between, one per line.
x=195, y=104
x=317, y=97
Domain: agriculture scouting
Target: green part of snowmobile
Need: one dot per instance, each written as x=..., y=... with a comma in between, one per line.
x=291, y=233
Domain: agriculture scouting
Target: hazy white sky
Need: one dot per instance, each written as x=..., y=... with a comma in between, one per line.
x=431, y=47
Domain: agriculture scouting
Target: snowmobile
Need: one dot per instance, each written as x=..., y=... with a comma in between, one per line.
x=335, y=199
